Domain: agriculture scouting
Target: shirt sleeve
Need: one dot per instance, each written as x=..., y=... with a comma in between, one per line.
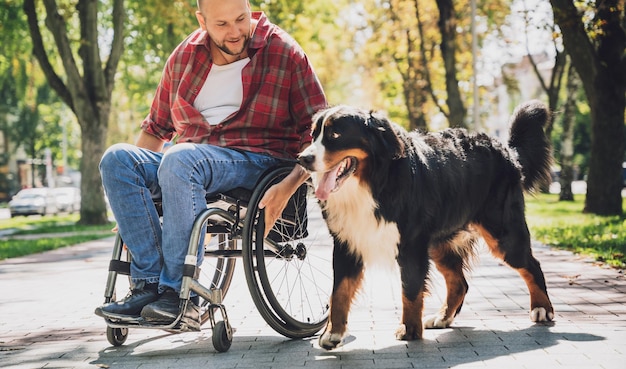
x=307, y=96
x=159, y=122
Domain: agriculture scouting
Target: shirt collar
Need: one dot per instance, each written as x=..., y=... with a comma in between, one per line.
x=257, y=41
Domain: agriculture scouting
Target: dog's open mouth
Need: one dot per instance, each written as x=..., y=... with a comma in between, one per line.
x=332, y=180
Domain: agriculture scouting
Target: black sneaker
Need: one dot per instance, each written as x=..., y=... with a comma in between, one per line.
x=167, y=308
x=129, y=308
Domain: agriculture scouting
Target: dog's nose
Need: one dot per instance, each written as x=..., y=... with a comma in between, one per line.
x=306, y=161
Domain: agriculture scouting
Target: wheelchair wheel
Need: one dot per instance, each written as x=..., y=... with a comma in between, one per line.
x=117, y=336
x=289, y=273
x=222, y=339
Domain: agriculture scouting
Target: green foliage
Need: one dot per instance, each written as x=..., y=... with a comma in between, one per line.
x=30, y=112
x=392, y=60
x=19, y=244
x=562, y=224
x=12, y=248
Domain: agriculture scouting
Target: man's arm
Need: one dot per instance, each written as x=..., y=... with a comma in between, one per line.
x=150, y=142
x=276, y=197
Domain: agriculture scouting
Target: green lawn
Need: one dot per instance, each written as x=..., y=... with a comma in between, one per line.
x=16, y=244
x=562, y=224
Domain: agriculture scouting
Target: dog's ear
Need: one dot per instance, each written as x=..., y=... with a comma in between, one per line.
x=389, y=144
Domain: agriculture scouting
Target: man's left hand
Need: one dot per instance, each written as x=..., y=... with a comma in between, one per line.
x=274, y=202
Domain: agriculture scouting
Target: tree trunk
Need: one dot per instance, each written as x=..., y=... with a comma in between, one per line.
x=604, y=181
x=415, y=96
x=447, y=27
x=567, y=139
x=93, y=208
x=602, y=70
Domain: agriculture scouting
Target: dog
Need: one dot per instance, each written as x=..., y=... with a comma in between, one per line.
x=392, y=196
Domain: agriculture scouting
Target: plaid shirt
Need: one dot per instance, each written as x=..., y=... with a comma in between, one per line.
x=280, y=94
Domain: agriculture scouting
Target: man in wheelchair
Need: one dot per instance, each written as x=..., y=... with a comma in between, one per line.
x=236, y=97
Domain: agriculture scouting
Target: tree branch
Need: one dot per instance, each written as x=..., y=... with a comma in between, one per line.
x=42, y=57
x=117, y=47
x=56, y=25
x=575, y=38
x=422, y=47
x=89, y=50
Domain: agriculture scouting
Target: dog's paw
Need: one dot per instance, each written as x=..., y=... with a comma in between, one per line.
x=436, y=321
x=540, y=314
x=404, y=333
x=329, y=340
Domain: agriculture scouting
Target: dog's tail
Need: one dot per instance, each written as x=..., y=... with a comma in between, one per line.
x=528, y=138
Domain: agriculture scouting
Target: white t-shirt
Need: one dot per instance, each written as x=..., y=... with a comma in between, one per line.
x=222, y=92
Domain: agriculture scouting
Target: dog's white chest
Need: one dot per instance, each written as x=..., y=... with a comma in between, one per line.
x=351, y=217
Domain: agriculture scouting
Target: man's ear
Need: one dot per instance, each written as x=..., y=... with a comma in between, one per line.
x=200, y=19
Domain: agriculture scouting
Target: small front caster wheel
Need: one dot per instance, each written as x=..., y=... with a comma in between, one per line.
x=117, y=336
x=222, y=339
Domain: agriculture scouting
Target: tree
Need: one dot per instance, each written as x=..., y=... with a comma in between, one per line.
x=420, y=51
x=88, y=94
x=567, y=138
x=448, y=28
x=596, y=47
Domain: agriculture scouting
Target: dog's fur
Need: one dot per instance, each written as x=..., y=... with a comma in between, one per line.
x=390, y=195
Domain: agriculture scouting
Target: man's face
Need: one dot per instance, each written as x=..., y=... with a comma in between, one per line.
x=228, y=23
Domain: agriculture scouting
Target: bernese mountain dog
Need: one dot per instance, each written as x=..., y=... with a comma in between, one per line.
x=390, y=195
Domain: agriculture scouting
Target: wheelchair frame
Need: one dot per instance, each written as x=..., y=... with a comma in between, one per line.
x=235, y=219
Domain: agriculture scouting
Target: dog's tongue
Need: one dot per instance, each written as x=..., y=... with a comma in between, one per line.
x=326, y=184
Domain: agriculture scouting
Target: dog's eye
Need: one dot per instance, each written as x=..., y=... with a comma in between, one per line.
x=335, y=135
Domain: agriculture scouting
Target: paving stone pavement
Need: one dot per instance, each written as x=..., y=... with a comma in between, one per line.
x=47, y=321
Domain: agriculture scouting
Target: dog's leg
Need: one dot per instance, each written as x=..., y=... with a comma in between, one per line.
x=413, y=271
x=348, y=275
x=450, y=264
x=514, y=248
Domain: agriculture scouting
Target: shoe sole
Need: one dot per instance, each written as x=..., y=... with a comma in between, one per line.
x=116, y=317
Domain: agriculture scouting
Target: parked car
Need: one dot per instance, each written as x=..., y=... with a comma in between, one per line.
x=67, y=198
x=31, y=201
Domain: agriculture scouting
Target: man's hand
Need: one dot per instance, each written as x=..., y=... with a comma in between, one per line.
x=276, y=197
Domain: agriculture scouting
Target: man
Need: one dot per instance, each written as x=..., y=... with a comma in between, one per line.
x=237, y=97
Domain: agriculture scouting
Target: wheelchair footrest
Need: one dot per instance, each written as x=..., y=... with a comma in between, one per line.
x=139, y=322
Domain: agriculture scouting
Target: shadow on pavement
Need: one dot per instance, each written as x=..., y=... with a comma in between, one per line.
x=460, y=345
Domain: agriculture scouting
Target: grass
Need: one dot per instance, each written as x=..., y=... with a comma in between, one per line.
x=64, y=226
x=562, y=224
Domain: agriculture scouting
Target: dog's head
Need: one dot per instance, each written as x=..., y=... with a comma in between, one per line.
x=348, y=142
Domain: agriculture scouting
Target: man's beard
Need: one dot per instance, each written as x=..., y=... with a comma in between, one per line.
x=228, y=51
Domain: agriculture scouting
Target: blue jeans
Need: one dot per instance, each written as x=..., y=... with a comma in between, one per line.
x=182, y=176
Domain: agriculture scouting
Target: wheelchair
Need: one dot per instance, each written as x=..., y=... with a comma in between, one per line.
x=288, y=273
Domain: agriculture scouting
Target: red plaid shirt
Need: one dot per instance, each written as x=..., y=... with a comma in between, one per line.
x=280, y=94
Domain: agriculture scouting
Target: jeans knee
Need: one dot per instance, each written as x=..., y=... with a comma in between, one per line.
x=111, y=157
x=175, y=159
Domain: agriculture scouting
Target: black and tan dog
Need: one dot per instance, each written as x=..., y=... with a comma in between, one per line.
x=390, y=195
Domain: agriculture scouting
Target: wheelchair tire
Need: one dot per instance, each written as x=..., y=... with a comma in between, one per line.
x=220, y=338
x=289, y=273
x=117, y=336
